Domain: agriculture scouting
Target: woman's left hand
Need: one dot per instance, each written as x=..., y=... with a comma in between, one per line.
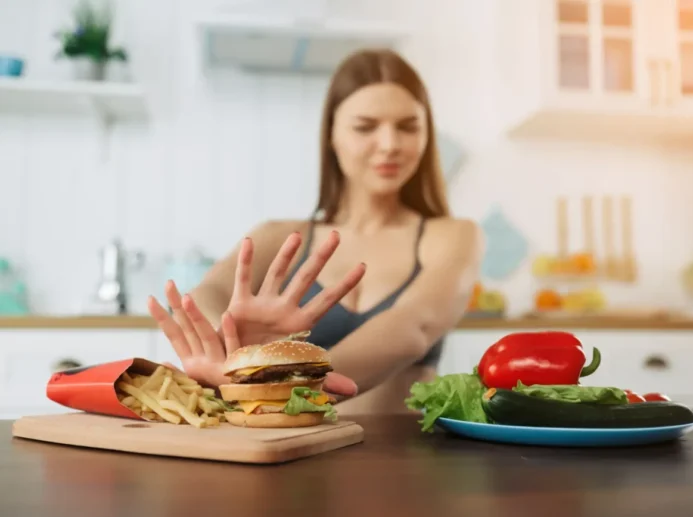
x=273, y=313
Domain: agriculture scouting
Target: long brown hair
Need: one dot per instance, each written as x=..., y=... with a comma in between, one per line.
x=425, y=191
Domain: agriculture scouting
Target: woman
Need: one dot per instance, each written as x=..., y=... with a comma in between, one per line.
x=382, y=198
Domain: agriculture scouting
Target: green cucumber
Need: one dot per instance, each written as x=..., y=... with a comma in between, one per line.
x=513, y=408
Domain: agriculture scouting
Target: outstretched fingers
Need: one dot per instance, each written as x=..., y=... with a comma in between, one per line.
x=309, y=271
x=328, y=297
x=211, y=343
x=231, y=340
x=169, y=327
x=242, y=288
x=179, y=315
x=280, y=265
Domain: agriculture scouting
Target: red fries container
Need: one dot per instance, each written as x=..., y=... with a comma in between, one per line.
x=92, y=388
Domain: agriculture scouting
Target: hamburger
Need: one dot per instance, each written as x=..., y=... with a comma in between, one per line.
x=277, y=384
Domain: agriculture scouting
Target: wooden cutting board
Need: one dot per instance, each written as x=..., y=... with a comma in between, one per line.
x=223, y=443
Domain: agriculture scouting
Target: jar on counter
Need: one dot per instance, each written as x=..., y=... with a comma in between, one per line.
x=188, y=270
x=13, y=298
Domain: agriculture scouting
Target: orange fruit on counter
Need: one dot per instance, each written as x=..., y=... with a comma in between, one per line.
x=548, y=299
x=583, y=263
x=474, y=298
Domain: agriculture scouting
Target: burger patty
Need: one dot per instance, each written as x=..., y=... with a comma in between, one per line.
x=281, y=373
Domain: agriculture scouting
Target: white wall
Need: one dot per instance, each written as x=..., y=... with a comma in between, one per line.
x=193, y=176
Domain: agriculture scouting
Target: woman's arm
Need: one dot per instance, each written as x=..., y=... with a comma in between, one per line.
x=213, y=294
x=432, y=305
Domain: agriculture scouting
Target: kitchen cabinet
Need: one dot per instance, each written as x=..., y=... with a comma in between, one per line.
x=596, y=68
x=642, y=360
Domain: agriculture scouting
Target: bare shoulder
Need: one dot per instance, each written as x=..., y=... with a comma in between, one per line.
x=447, y=239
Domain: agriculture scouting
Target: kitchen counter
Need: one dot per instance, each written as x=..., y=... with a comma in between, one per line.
x=397, y=470
x=583, y=323
x=578, y=323
x=77, y=322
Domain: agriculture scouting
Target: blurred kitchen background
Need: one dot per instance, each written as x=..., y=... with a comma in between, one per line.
x=566, y=130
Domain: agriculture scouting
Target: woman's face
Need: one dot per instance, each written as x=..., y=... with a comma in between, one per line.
x=379, y=136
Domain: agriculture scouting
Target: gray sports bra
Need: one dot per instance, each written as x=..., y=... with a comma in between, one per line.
x=339, y=321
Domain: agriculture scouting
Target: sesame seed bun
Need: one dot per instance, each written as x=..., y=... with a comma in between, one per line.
x=276, y=353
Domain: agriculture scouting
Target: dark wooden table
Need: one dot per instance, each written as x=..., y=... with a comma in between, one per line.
x=397, y=471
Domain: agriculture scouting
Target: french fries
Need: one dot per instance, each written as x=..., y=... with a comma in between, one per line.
x=170, y=396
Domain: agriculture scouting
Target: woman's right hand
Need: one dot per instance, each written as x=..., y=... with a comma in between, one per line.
x=201, y=349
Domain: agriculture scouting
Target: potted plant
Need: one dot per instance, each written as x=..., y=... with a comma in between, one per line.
x=87, y=45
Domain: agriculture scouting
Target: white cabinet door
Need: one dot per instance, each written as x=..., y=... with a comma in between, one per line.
x=660, y=35
x=28, y=358
x=618, y=50
x=595, y=54
x=644, y=361
x=666, y=36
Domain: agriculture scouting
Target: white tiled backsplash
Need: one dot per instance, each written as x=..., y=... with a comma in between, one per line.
x=194, y=175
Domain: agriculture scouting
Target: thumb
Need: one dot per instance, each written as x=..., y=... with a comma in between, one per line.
x=339, y=384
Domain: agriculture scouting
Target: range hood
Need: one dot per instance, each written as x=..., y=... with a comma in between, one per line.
x=285, y=44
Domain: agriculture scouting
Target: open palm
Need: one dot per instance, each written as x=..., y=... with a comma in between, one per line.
x=273, y=312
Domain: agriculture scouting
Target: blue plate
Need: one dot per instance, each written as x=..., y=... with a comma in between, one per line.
x=563, y=436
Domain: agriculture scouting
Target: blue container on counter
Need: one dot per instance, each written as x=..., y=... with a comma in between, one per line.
x=11, y=66
x=13, y=299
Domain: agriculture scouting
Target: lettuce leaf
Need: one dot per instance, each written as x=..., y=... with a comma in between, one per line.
x=574, y=393
x=297, y=403
x=225, y=405
x=456, y=396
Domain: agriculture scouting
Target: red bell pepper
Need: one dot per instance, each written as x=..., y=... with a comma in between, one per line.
x=656, y=397
x=634, y=398
x=547, y=357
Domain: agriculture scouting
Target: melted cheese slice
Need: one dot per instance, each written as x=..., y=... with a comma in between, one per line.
x=248, y=371
x=252, y=370
x=319, y=400
x=249, y=406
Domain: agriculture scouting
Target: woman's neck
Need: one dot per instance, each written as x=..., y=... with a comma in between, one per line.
x=365, y=213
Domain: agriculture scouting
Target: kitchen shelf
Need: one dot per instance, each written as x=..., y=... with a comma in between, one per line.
x=286, y=45
x=35, y=321
x=109, y=101
x=644, y=124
